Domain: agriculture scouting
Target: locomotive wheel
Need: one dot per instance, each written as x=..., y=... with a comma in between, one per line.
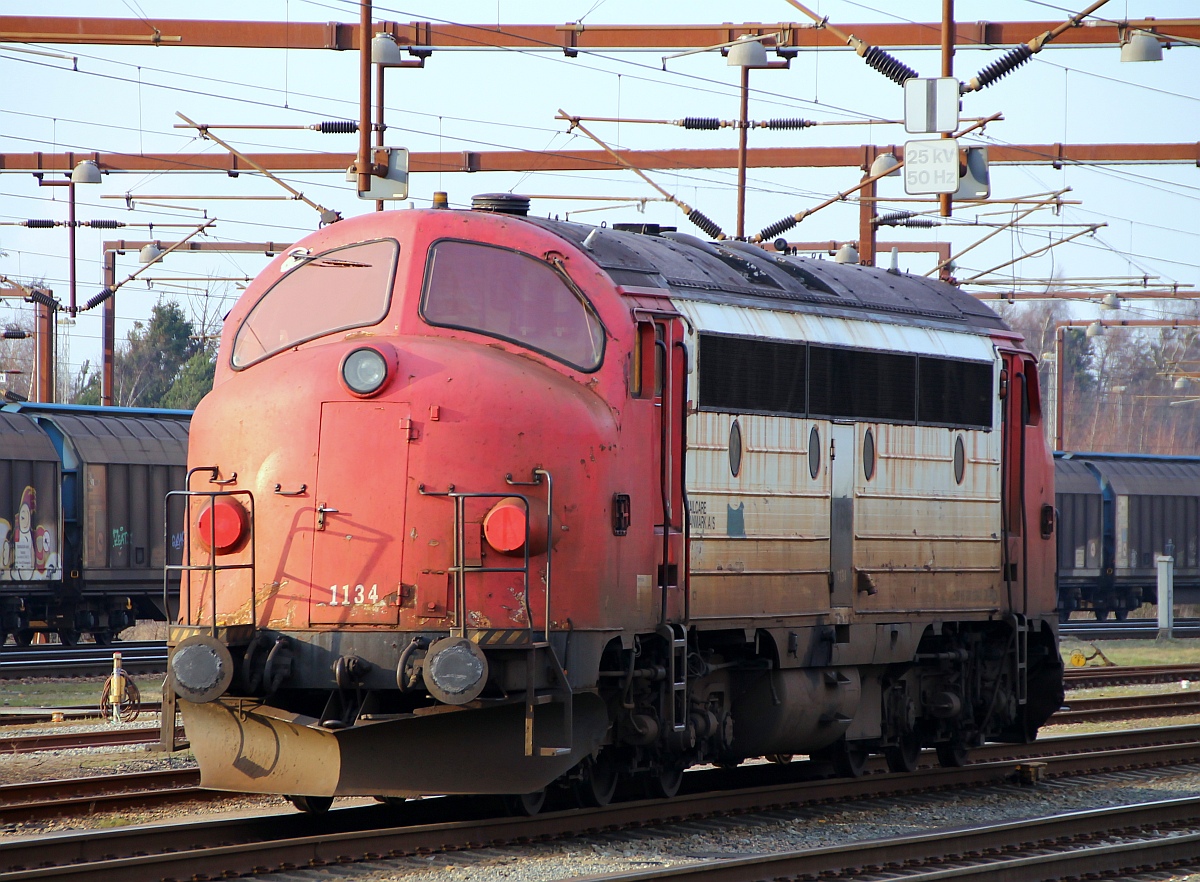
x=313, y=805
x=666, y=783
x=905, y=755
x=68, y=636
x=952, y=755
x=848, y=760
x=527, y=804
x=598, y=782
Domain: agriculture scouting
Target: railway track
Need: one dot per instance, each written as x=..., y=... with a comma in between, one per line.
x=84, y=796
x=1130, y=629
x=81, y=661
x=24, y=716
x=223, y=847
x=75, y=740
x=1120, y=675
x=1128, y=707
x=1051, y=847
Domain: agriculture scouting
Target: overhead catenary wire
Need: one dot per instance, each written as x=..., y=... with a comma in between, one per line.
x=328, y=216
x=1018, y=55
x=784, y=224
x=106, y=293
x=701, y=220
x=879, y=59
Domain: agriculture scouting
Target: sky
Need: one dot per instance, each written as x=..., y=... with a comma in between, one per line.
x=124, y=99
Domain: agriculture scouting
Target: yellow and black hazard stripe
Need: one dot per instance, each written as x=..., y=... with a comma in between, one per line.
x=502, y=637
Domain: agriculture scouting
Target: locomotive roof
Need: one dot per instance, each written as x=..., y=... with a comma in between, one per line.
x=692, y=268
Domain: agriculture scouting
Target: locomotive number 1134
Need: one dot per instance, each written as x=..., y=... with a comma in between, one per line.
x=352, y=597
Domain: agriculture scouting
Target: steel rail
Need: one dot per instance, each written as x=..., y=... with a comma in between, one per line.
x=73, y=740
x=78, y=661
x=263, y=844
x=973, y=851
x=1127, y=707
x=85, y=796
x=22, y=716
x=1118, y=675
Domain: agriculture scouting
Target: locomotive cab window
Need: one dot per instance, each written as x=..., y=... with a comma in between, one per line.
x=319, y=294
x=511, y=296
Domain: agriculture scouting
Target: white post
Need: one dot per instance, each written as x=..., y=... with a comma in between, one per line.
x=1166, y=595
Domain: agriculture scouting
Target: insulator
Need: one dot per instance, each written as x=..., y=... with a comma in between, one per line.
x=43, y=298
x=920, y=223
x=888, y=65
x=701, y=122
x=705, y=223
x=337, y=127
x=14, y=333
x=104, y=294
x=789, y=123
x=893, y=218
x=1007, y=63
x=39, y=224
x=105, y=224
x=780, y=226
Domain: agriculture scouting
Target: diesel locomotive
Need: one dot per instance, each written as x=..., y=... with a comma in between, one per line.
x=488, y=503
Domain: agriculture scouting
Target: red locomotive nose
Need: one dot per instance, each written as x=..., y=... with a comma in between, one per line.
x=222, y=525
x=504, y=527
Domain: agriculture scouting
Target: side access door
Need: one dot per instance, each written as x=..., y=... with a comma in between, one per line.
x=358, y=524
x=841, y=514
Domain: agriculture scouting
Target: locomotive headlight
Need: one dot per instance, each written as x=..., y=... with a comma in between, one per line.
x=364, y=371
x=455, y=670
x=223, y=525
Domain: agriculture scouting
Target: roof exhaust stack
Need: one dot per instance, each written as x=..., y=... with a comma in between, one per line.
x=501, y=203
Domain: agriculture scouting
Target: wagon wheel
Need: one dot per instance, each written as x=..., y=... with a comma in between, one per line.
x=1121, y=614
x=1101, y=613
x=528, y=804
x=24, y=637
x=102, y=637
x=598, y=781
x=780, y=758
x=666, y=783
x=905, y=755
x=952, y=754
x=313, y=805
x=68, y=636
x=849, y=760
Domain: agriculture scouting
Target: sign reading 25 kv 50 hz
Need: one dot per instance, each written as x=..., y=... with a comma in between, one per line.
x=931, y=167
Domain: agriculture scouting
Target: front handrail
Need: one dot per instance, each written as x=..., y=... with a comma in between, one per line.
x=538, y=474
x=212, y=567
x=460, y=568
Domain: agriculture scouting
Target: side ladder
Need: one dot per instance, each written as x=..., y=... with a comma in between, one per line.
x=677, y=702
x=1021, y=627
x=559, y=693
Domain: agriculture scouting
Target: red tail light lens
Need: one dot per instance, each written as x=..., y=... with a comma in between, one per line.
x=222, y=525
